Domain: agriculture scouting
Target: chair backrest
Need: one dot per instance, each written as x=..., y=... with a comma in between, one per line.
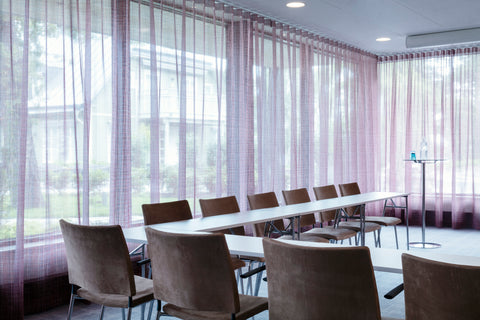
x=166, y=212
x=97, y=258
x=218, y=206
x=261, y=201
x=193, y=271
x=326, y=192
x=349, y=189
x=299, y=196
x=440, y=291
x=311, y=282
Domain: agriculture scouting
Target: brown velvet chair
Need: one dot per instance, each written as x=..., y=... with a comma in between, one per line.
x=330, y=283
x=166, y=212
x=226, y=205
x=174, y=211
x=301, y=196
x=329, y=192
x=348, y=189
x=100, y=270
x=205, y=287
x=218, y=206
x=269, y=200
x=440, y=291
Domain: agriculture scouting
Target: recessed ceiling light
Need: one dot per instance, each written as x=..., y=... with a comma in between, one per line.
x=296, y=4
x=383, y=39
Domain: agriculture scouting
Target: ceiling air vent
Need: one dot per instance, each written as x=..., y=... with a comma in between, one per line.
x=443, y=38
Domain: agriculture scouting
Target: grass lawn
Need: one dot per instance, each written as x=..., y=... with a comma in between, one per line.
x=64, y=205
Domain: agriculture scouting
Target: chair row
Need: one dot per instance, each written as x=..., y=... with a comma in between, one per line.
x=331, y=228
x=179, y=210
x=194, y=278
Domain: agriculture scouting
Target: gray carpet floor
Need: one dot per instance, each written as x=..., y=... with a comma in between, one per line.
x=461, y=242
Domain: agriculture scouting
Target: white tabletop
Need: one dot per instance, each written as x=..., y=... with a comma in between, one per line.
x=242, y=218
x=386, y=260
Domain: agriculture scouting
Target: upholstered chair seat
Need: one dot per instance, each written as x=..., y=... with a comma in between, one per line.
x=330, y=232
x=143, y=288
x=355, y=225
x=250, y=306
x=384, y=221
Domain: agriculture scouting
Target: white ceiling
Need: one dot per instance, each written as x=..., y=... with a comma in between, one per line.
x=360, y=22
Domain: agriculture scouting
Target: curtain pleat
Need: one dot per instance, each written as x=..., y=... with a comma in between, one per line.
x=107, y=105
x=432, y=96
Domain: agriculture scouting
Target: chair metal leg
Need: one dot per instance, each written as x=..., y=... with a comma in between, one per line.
x=258, y=281
x=240, y=281
x=379, y=242
x=123, y=314
x=150, y=309
x=129, y=316
x=100, y=317
x=159, y=309
x=396, y=237
x=70, y=306
x=250, y=284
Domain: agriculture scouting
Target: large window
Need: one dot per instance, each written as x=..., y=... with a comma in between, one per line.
x=433, y=96
x=106, y=105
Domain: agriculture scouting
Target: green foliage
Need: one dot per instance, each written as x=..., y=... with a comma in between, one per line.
x=169, y=180
x=98, y=178
x=7, y=231
x=139, y=179
x=62, y=178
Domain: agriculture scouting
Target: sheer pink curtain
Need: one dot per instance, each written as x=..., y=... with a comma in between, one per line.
x=433, y=95
x=55, y=125
x=106, y=105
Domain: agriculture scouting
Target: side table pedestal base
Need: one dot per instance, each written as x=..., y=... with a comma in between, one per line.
x=425, y=245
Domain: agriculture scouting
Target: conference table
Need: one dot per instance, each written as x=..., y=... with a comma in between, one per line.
x=293, y=212
x=385, y=260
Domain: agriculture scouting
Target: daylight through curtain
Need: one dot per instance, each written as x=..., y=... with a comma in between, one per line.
x=106, y=105
x=435, y=96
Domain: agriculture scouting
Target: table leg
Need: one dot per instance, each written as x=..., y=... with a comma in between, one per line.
x=362, y=225
x=292, y=226
x=406, y=220
x=424, y=244
x=423, y=202
x=298, y=227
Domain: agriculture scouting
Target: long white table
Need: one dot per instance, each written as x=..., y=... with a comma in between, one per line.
x=294, y=211
x=386, y=260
